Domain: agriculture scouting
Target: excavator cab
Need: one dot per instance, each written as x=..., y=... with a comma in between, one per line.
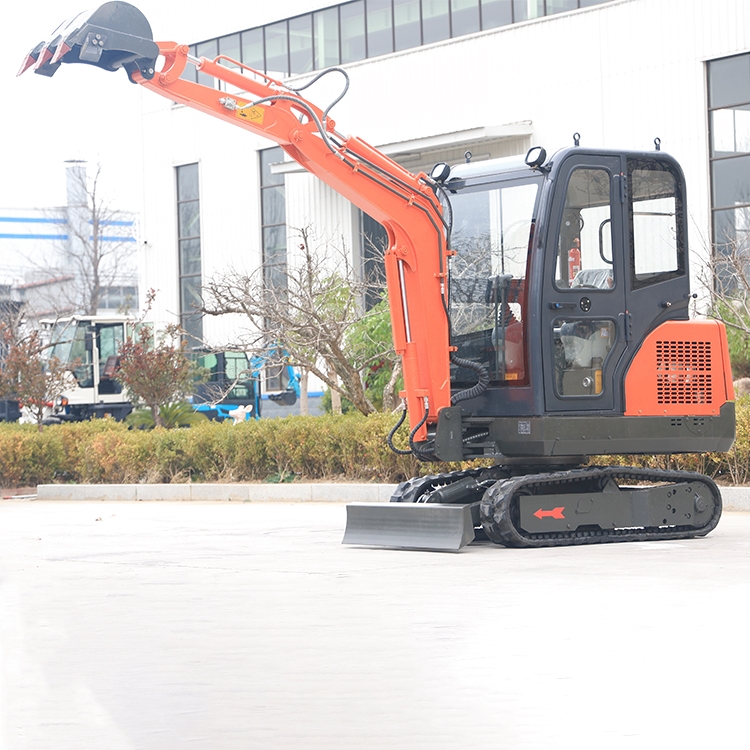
x=562, y=274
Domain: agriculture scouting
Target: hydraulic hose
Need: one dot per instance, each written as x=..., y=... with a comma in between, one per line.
x=393, y=432
x=418, y=452
x=475, y=390
x=425, y=455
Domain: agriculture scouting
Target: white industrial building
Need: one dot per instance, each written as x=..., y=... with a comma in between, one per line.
x=431, y=80
x=46, y=255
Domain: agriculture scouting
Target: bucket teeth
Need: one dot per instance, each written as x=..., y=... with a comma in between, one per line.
x=42, y=65
x=62, y=50
x=115, y=35
x=30, y=58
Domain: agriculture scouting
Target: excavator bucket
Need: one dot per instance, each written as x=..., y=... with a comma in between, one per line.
x=115, y=35
x=433, y=526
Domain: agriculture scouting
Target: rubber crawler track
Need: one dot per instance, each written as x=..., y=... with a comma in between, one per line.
x=417, y=489
x=499, y=512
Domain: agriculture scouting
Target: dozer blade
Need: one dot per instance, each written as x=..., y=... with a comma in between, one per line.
x=430, y=526
x=115, y=35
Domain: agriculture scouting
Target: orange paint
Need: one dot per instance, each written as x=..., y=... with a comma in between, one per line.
x=682, y=369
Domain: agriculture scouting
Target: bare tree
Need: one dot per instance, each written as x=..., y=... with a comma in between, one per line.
x=97, y=254
x=26, y=375
x=313, y=313
x=157, y=373
x=726, y=277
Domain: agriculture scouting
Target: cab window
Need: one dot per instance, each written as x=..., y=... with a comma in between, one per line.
x=657, y=243
x=584, y=247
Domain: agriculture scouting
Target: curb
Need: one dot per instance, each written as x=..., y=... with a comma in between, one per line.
x=735, y=498
x=245, y=493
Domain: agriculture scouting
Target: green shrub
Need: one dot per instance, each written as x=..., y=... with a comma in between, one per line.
x=349, y=447
x=177, y=414
x=28, y=456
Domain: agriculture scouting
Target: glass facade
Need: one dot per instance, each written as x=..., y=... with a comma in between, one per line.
x=368, y=28
x=189, y=250
x=729, y=133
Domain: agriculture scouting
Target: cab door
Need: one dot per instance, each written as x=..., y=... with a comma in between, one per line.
x=585, y=324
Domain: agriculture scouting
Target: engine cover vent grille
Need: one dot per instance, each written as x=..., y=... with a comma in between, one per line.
x=683, y=372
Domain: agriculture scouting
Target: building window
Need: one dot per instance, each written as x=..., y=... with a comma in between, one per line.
x=436, y=21
x=300, y=44
x=464, y=17
x=729, y=134
x=407, y=30
x=209, y=49
x=252, y=49
x=360, y=29
x=273, y=219
x=277, y=49
x=352, y=20
x=559, y=6
x=496, y=13
x=374, y=245
x=119, y=298
x=189, y=250
x=229, y=46
x=379, y=27
x=326, y=38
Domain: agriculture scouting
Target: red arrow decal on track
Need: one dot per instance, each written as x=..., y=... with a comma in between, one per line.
x=554, y=513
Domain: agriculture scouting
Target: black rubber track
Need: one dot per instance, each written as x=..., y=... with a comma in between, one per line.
x=499, y=510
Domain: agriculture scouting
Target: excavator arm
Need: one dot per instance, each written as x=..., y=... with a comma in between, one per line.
x=117, y=35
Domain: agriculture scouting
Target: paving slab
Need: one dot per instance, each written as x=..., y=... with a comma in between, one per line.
x=248, y=625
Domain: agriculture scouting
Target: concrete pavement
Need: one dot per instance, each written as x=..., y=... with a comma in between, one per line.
x=229, y=625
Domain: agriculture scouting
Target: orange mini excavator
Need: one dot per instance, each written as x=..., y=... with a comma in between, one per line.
x=539, y=305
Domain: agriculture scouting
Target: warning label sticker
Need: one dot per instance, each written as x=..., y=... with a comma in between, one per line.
x=253, y=114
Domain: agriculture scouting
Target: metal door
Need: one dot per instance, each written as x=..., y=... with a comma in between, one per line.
x=585, y=323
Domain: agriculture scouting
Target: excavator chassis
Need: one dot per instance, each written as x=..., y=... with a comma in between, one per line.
x=589, y=505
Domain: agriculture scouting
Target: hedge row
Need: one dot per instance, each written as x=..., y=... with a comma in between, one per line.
x=350, y=447
x=104, y=451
